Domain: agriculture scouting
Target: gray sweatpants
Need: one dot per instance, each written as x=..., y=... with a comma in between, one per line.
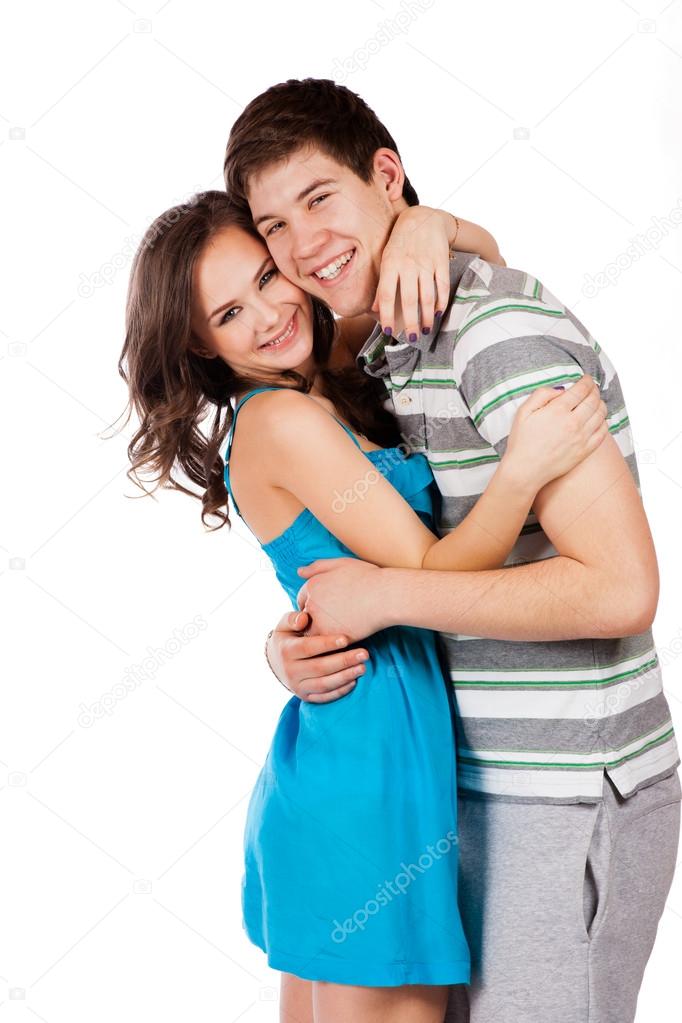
x=560, y=904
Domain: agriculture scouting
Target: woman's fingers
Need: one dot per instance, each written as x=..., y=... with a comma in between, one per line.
x=591, y=405
x=427, y=301
x=442, y=290
x=420, y=292
x=596, y=423
x=386, y=296
x=409, y=303
x=580, y=390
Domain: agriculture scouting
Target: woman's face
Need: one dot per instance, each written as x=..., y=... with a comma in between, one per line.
x=246, y=312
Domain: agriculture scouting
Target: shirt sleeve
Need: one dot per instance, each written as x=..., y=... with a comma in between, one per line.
x=510, y=347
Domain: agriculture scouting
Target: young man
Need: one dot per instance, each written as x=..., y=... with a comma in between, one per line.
x=569, y=795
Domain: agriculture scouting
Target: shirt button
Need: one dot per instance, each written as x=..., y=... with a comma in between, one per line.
x=405, y=400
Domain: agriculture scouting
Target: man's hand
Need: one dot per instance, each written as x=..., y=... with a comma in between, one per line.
x=342, y=595
x=314, y=668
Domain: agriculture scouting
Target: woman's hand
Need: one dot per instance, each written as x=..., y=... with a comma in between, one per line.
x=553, y=431
x=415, y=264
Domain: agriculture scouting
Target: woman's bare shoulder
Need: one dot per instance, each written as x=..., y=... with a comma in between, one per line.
x=282, y=415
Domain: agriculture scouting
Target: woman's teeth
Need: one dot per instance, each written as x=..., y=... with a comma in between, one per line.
x=332, y=270
x=282, y=338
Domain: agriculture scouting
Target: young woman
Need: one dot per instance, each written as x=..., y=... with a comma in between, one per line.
x=350, y=882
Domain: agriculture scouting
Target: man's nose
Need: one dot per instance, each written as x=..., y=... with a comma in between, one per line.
x=306, y=241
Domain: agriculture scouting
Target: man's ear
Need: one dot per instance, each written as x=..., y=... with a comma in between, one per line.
x=388, y=171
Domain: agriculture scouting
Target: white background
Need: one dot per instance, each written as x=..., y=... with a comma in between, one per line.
x=557, y=126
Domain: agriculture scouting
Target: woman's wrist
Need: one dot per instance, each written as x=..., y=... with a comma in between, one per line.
x=516, y=481
x=452, y=226
x=464, y=236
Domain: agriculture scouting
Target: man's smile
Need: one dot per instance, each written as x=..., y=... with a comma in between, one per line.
x=333, y=269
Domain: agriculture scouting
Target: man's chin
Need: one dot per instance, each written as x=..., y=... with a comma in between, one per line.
x=353, y=300
x=348, y=303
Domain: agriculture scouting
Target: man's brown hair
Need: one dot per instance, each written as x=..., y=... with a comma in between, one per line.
x=314, y=111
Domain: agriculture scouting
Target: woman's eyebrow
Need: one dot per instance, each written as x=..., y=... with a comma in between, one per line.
x=299, y=198
x=225, y=305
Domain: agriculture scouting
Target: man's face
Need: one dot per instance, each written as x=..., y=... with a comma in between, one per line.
x=325, y=227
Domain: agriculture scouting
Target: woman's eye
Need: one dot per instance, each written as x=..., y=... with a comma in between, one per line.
x=272, y=228
x=227, y=315
x=267, y=276
x=319, y=198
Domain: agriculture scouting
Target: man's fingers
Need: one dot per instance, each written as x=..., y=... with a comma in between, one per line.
x=336, y=694
x=319, y=685
x=293, y=621
x=321, y=565
x=317, y=657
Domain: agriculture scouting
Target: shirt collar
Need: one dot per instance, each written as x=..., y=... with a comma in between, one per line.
x=373, y=356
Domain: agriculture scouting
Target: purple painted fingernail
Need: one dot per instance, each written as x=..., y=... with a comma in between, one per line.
x=412, y=338
x=558, y=387
x=387, y=331
x=426, y=330
x=439, y=313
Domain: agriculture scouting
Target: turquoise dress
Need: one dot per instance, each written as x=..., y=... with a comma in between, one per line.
x=350, y=843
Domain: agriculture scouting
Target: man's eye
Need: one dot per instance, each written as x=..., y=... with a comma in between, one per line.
x=272, y=228
x=318, y=198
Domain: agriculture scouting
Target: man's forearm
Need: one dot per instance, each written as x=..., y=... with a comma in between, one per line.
x=554, y=599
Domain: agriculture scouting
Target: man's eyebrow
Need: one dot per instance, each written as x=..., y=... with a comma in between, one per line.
x=226, y=305
x=299, y=198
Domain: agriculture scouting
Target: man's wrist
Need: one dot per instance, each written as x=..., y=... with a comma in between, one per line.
x=389, y=587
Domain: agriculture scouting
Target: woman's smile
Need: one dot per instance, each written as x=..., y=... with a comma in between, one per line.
x=284, y=339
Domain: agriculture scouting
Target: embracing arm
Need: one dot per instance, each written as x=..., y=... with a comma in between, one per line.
x=470, y=237
x=415, y=267
x=358, y=504
x=549, y=436
x=604, y=583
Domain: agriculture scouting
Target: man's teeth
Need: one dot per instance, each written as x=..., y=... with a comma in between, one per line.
x=283, y=337
x=329, y=272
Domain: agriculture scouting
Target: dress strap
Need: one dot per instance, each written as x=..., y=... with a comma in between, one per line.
x=257, y=390
x=228, y=450
x=249, y=394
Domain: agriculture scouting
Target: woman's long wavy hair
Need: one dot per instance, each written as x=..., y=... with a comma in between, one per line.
x=173, y=390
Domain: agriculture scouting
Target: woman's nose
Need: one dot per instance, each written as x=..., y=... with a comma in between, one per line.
x=268, y=315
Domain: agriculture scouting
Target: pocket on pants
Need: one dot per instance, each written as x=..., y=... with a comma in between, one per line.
x=594, y=875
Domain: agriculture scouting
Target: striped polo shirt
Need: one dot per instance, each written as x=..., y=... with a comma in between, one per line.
x=536, y=721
